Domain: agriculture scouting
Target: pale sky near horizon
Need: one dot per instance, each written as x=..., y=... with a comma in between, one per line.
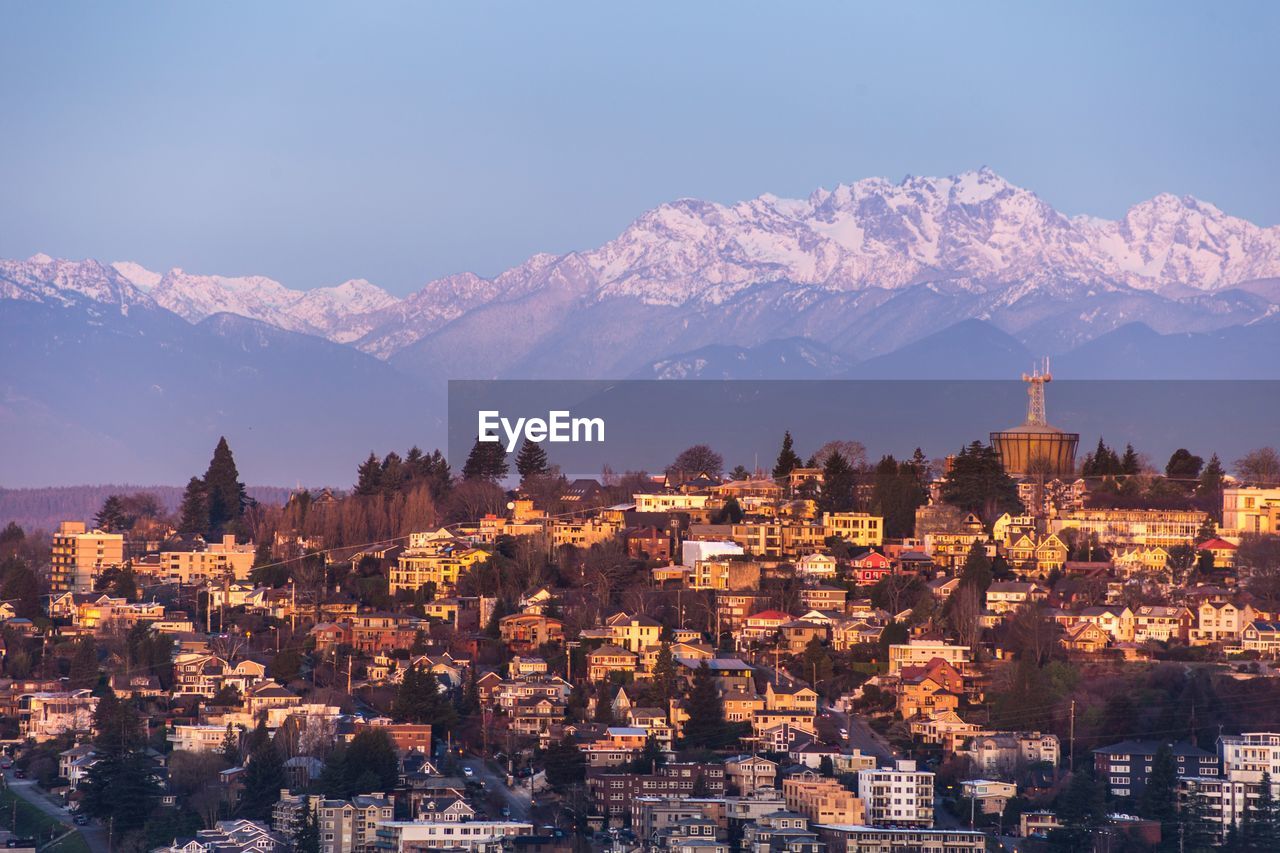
x=398, y=142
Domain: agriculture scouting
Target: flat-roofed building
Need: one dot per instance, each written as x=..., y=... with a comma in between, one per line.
x=215, y=561
x=897, y=796
x=920, y=652
x=1163, y=527
x=78, y=556
x=1250, y=510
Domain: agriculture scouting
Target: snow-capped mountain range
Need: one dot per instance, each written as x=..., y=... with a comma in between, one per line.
x=110, y=371
x=862, y=269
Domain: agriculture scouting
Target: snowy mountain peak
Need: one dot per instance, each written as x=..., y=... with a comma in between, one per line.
x=973, y=234
x=138, y=274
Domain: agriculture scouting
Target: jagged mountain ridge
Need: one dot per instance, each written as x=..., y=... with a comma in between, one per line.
x=863, y=269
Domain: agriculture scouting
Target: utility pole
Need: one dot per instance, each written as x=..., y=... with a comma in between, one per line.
x=1071, y=756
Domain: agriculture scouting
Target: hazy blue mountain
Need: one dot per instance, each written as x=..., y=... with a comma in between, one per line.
x=970, y=349
x=1136, y=351
x=91, y=395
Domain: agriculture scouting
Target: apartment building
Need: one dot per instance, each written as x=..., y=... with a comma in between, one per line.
x=346, y=826
x=476, y=836
x=1126, y=766
x=1250, y=510
x=1163, y=527
x=198, y=737
x=897, y=796
x=439, y=563
x=822, y=800
x=79, y=556
x=874, y=839
x=44, y=716
x=920, y=652
x=215, y=561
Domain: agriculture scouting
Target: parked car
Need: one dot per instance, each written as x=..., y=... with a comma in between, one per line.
x=81, y=820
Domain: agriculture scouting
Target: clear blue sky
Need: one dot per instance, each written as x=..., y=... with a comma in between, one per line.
x=399, y=142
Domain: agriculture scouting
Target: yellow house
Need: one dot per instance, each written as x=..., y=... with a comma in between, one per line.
x=856, y=528
x=741, y=707
x=608, y=659
x=583, y=533
x=924, y=697
x=441, y=566
x=803, y=699
x=634, y=633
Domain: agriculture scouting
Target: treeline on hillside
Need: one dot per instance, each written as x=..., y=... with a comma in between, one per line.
x=44, y=508
x=397, y=495
x=1128, y=480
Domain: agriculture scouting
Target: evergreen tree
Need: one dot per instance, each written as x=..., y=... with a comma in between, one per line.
x=730, y=513
x=194, y=513
x=1198, y=832
x=125, y=586
x=1260, y=829
x=531, y=461
x=817, y=665
x=896, y=493
x=1129, y=464
x=976, y=572
x=369, y=476
x=1102, y=462
x=112, y=515
x=393, y=474
x=978, y=483
x=230, y=749
x=367, y=765
x=1211, y=479
x=565, y=764
x=706, y=724
x=121, y=784
x=470, y=705
x=1208, y=530
x=1082, y=808
x=307, y=837
x=666, y=678
x=263, y=777
x=225, y=492
x=20, y=586
x=487, y=461
x=788, y=459
x=84, y=665
x=420, y=700
x=838, y=484
x=1160, y=797
x=920, y=465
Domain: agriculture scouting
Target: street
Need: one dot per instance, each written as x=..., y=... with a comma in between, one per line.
x=94, y=834
x=862, y=737
x=518, y=800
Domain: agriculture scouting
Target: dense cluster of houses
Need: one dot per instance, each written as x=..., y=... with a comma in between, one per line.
x=795, y=779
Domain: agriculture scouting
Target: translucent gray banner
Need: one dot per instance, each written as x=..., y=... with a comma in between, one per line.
x=646, y=423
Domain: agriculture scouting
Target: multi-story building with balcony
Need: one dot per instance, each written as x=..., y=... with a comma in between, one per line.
x=79, y=556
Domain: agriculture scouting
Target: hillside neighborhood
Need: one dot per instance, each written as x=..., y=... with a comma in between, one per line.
x=828, y=656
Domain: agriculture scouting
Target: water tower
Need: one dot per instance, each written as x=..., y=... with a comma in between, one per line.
x=1035, y=447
